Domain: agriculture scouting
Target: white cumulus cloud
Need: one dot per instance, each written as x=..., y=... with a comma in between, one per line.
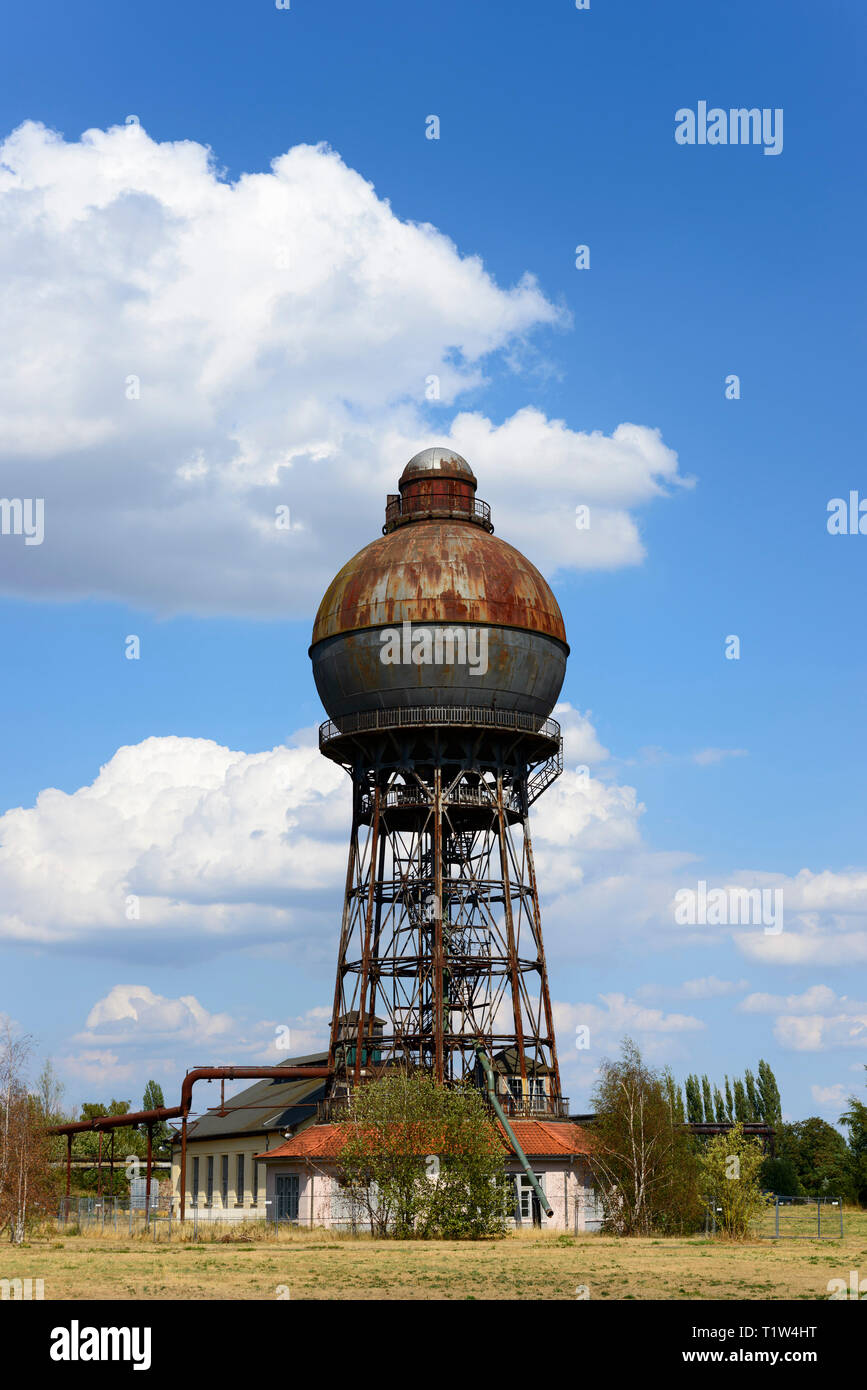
x=181, y=355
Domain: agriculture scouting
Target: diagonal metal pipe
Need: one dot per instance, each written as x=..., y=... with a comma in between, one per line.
x=510, y=1133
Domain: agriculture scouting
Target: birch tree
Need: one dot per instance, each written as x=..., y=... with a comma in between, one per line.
x=643, y=1160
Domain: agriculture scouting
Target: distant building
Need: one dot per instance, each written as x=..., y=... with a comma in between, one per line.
x=224, y=1172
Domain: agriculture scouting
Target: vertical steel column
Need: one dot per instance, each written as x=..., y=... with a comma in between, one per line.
x=380, y=875
x=368, y=926
x=510, y=932
x=346, y=925
x=99, y=1168
x=543, y=969
x=68, y=1167
x=438, y=961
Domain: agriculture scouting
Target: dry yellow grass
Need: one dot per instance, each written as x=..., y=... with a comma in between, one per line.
x=317, y=1264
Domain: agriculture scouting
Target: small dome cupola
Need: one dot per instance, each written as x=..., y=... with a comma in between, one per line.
x=437, y=484
x=437, y=462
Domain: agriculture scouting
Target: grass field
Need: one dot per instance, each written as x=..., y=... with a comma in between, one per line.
x=315, y=1264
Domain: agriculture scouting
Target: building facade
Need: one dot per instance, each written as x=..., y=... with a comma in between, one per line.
x=267, y=1154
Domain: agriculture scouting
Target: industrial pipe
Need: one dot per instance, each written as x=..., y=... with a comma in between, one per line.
x=177, y=1112
x=510, y=1133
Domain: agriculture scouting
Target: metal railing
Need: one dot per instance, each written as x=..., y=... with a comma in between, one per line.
x=436, y=506
x=790, y=1218
x=396, y=797
x=335, y=1109
x=803, y=1218
x=531, y=1107
x=441, y=715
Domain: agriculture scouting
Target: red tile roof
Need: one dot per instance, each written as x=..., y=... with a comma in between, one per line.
x=319, y=1141
x=538, y=1138
x=551, y=1137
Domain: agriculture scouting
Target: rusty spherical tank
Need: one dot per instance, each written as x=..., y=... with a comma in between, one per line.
x=438, y=611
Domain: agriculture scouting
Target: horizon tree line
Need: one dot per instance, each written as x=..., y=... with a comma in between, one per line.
x=751, y=1099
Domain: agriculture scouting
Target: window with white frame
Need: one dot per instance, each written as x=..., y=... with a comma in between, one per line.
x=525, y=1196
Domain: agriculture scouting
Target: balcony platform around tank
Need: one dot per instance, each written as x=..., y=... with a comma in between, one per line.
x=445, y=734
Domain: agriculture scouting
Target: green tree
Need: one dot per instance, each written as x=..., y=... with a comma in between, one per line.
x=707, y=1100
x=770, y=1108
x=675, y=1098
x=424, y=1160
x=644, y=1160
x=126, y=1142
x=694, y=1108
x=742, y=1113
x=730, y=1109
x=719, y=1105
x=855, y=1120
x=779, y=1175
x=822, y=1158
x=153, y=1100
x=753, y=1107
x=730, y=1181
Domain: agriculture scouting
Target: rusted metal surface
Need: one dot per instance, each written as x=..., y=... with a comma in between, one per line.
x=446, y=502
x=543, y=968
x=439, y=572
x=447, y=955
x=437, y=462
x=439, y=964
x=361, y=1046
x=183, y=1173
x=438, y=577
x=510, y=930
x=505, y=670
x=436, y=483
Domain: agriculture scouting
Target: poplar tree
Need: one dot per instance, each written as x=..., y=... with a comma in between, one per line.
x=769, y=1096
x=693, y=1100
x=741, y=1103
x=675, y=1098
x=752, y=1096
x=708, y=1100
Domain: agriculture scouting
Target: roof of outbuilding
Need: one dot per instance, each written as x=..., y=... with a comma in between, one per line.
x=538, y=1139
x=266, y=1105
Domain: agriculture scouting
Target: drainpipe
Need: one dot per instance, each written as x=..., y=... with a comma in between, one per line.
x=510, y=1133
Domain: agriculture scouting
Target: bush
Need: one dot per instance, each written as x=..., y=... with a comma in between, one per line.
x=730, y=1181
x=424, y=1160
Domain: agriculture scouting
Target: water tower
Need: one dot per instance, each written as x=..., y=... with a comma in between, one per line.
x=439, y=652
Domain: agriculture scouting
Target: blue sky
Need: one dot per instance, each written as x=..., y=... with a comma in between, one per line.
x=557, y=129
